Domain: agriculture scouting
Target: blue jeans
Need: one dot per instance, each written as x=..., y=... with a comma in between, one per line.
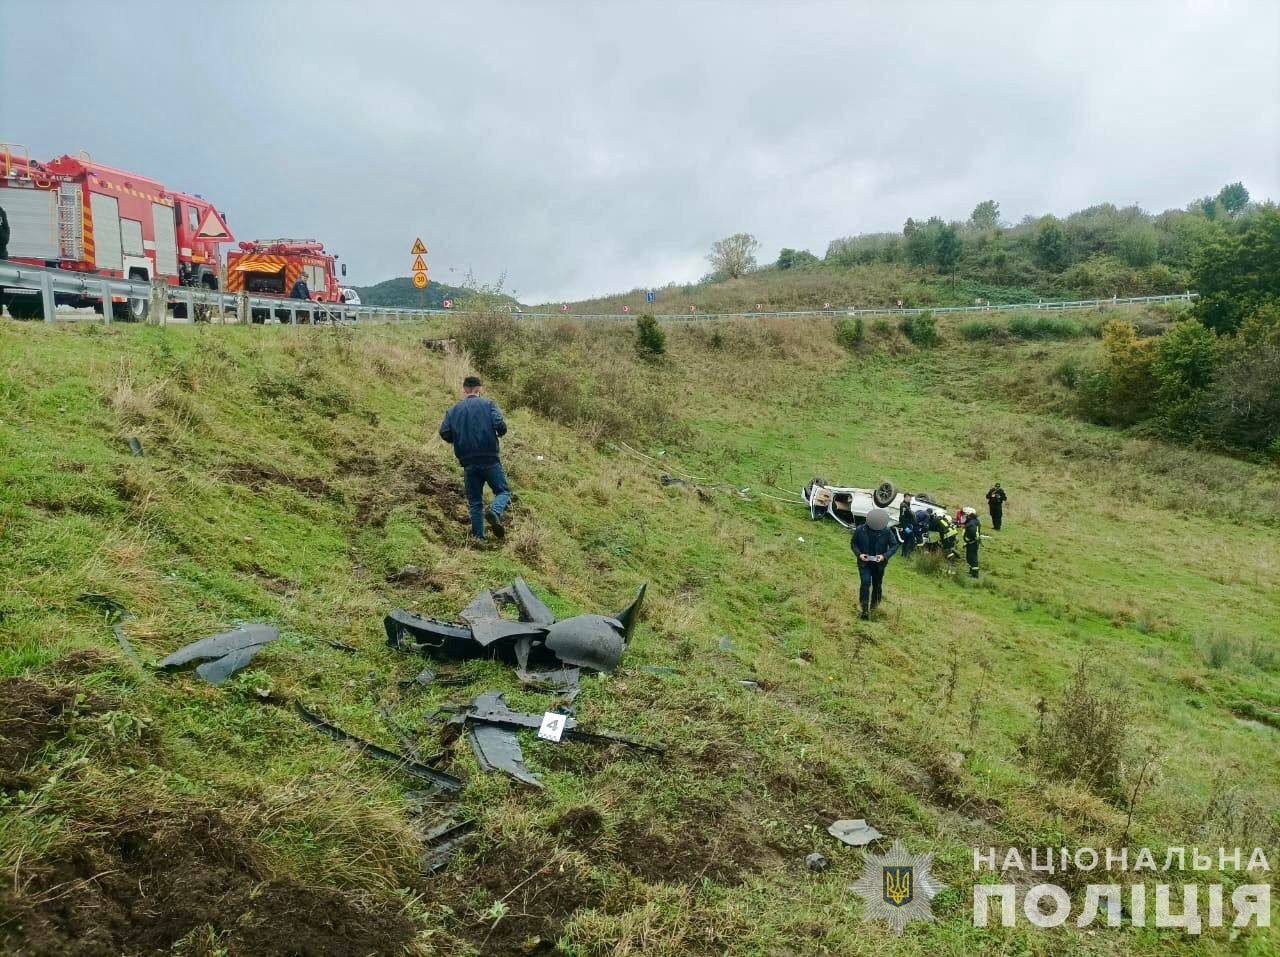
x=871, y=577
x=474, y=479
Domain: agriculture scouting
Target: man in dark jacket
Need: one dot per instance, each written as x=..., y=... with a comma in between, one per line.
x=972, y=538
x=995, y=502
x=907, y=525
x=300, y=290
x=473, y=426
x=874, y=543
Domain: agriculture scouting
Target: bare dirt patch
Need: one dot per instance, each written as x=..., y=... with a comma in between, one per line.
x=141, y=882
x=379, y=484
x=517, y=900
x=258, y=476
x=33, y=715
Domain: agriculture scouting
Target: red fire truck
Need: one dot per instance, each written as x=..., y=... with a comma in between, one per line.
x=272, y=266
x=73, y=213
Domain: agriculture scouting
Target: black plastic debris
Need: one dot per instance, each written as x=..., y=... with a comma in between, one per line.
x=498, y=749
x=443, y=840
x=592, y=642
x=491, y=727
x=816, y=862
x=340, y=645
x=421, y=679
x=446, y=782
x=135, y=446
x=223, y=654
x=116, y=614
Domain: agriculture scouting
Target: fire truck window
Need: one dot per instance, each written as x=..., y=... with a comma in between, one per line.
x=193, y=218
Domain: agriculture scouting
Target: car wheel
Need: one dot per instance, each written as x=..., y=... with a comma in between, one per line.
x=885, y=494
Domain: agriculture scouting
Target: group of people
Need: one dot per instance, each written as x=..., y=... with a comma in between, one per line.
x=474, y=426
x=874, y=542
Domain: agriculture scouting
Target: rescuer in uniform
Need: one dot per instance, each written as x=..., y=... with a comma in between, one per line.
x=874, y=543
x=995, y=502
x=972, y=538
x=907, y=525
x=473, y=426
x=300, y=290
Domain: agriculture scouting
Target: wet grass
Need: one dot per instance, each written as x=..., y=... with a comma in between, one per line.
x=289, y=473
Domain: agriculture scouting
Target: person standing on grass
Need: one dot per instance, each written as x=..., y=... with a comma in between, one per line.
x=972, y=538
x=995, y=502
x=907, y=525
x=874, y=543
x=473, y=427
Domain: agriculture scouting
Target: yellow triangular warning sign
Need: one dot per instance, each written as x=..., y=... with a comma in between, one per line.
x=418, y=249
x=419, y=265
x=213, y=227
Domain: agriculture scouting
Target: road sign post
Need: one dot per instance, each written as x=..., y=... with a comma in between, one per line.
x=419, y=269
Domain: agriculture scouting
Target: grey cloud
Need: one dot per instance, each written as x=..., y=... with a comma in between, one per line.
x=586, y=148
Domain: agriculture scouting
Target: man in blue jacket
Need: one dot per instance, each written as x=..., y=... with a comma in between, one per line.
x=473, y=426
x=874, y=543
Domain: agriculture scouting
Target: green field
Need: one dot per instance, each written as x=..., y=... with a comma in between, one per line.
x=290, y=474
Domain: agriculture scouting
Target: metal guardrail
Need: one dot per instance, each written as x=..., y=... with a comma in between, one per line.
x=836, y=313
x=51, y=283
x=221, y=306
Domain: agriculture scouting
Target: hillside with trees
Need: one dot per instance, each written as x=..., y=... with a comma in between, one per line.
x=1098, y=252
x=402, y=293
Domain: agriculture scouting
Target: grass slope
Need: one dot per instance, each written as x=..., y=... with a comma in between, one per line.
x=290, y=473
x=778, y=290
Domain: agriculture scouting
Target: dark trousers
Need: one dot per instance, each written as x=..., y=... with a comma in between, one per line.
x=908, y=540
x=971, y=556
x=474, y=479
x=997, y=512
x=871, y=578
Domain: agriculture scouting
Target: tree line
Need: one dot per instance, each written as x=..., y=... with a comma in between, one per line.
x=1101, y=251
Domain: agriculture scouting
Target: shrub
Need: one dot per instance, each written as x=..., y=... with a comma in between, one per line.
x=882, y=328
x=1242, y=405
x=1217, y=652
x=1085, y=735
x=1186, y=358
x=484, y=336
x=979, y=329
x=921, y=330
x=1045, y=327
x=850, y=333
x=651, y=341
x=1067, y=372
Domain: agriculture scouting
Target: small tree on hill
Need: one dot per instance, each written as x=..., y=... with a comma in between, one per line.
x=1052, y=246
x=986, y=215
x=734, y=255
x=651, y=341
x=1233, y=198
x=791, y=258
x=947, y=248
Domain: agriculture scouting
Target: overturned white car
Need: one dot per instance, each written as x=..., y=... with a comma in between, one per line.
x=849, y=506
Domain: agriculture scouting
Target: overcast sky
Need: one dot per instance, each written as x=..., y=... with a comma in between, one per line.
x=597, y=146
